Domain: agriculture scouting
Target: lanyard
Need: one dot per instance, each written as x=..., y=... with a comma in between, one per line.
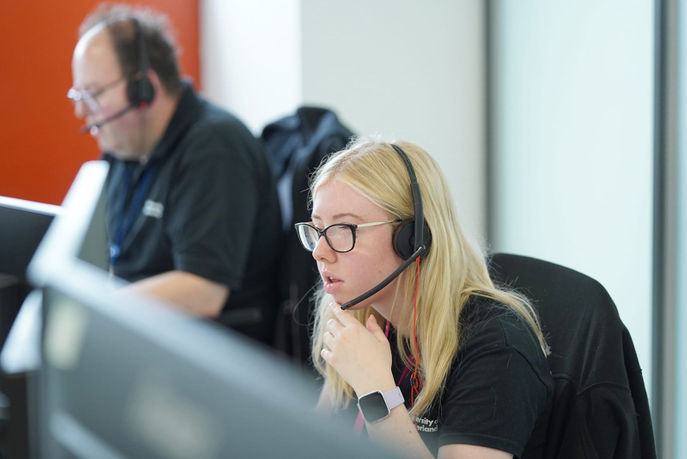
x=124, y=218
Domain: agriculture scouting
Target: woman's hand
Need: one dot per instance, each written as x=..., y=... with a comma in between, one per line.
x=359, y=353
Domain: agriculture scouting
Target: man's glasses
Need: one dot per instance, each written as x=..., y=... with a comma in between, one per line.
x=340, y=236
x=90, y=98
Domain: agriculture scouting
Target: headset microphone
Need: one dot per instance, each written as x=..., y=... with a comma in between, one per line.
x=385, y=282
x=93, y=128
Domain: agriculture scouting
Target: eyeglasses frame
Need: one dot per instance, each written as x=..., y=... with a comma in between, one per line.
x=323, y=232
x=84, y=96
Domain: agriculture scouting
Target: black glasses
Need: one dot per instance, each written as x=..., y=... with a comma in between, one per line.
x=89, y=98
x=339, y=236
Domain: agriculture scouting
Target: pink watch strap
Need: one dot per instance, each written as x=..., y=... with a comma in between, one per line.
x=393, y=398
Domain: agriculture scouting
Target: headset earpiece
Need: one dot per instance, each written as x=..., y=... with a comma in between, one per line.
x=140, y=90
x=403, y=240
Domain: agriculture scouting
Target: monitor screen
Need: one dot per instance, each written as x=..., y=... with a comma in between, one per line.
x=22, y=226
x=123, y=375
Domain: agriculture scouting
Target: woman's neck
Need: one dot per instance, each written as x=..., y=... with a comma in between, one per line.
x=393, y=313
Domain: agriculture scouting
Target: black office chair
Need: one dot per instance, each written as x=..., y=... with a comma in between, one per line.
x=600, y=407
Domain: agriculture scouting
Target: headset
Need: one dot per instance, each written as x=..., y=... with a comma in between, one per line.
x=411, y=239
x=139, y=89
x=405, y=243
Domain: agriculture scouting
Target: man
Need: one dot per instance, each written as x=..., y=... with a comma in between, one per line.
x=193, y=213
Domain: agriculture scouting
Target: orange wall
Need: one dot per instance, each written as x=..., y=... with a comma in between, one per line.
x=40, y=146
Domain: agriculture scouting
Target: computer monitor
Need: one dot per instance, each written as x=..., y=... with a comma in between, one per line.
x=123, y=375
x=22, y=226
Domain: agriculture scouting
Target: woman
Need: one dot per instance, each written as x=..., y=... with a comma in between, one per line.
x=468, y=359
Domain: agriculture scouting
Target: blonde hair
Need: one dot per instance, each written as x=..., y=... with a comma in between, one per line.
x=453, y=270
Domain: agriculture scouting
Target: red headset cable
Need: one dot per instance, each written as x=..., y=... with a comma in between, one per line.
x=414, y=379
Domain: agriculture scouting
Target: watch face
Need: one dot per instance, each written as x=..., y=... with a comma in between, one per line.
x=373, y=407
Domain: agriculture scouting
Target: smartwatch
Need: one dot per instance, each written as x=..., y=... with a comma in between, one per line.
x=376, y=405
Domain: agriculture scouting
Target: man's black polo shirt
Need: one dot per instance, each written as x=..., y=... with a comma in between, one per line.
x=205, y=203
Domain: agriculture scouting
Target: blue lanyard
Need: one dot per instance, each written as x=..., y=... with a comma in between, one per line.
x=124, y=218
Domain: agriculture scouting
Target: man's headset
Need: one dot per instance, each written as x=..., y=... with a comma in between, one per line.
x=139, y=89
x=411, y=238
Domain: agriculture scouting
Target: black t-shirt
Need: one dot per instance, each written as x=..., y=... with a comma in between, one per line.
x=499, y=389
x=205, y=203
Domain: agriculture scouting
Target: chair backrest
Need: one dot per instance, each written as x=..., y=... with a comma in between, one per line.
x=297, y=144
x=600, y=405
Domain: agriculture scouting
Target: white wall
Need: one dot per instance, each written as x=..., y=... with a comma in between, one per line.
x=573, y=135
x=408, y=69
x=250, y=57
